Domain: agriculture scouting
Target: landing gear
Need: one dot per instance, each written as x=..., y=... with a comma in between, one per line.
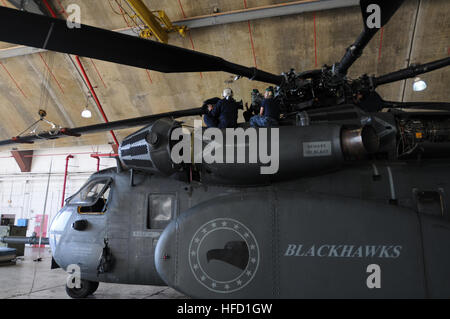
x=87, y=288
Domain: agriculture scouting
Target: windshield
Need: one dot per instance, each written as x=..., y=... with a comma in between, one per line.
x=90, y=192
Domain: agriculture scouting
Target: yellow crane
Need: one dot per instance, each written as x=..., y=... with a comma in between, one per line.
x=157, y=22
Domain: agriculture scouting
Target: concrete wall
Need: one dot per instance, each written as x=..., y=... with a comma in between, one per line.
x=24, y=194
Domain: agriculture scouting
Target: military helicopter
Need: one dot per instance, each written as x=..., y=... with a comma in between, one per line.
x=359, y=206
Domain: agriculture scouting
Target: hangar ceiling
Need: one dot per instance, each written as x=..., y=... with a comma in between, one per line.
x=419, y=32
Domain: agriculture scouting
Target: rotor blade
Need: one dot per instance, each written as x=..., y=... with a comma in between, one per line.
x=411, y=72
x=116, y=125
x=437, y=106
x=369, y=10
x=20, y=27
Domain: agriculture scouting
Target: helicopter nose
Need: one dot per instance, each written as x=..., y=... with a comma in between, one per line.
x=58, y=225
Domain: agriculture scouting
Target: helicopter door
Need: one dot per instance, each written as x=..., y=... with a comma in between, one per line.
x=88, y=228
x=158, y=211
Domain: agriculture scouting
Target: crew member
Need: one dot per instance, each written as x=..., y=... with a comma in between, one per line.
x=210, y=102
x=254, y=108
x=269, y=113
x=225, y=113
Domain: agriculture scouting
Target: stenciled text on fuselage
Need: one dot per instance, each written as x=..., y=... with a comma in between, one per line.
x=343, y=251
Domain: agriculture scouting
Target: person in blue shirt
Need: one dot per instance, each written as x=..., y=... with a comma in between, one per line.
x=224, y=114
x=269, y=114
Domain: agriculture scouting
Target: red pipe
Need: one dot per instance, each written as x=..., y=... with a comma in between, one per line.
x=49, y=8
x=53, y=75
x=381, y=44
x=107, y=155
x=315, y=39
x=12, y=78
x=149, y=77
x=251, y=36
x=94, y=95
x=63, y=11
x=61, y=154
x=64, y=154
x=91, y=88
x=98, y=161
x=98, y=73
x=190, y=36
x=181, y=7
x=65, y=178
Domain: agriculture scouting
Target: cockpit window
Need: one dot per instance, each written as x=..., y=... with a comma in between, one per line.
x=93, y=196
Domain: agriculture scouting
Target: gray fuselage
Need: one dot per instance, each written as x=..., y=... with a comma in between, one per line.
x=394, y=215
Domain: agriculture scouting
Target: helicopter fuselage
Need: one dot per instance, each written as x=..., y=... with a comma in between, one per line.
x=309, y=237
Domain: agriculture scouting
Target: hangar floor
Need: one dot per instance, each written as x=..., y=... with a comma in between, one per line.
x=35, y=280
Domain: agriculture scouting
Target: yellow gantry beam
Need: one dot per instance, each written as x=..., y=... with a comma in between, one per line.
x=150, y=20
x=168, y=26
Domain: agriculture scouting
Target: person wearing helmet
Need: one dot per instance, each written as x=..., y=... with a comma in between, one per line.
x=269, y=113
x=224, y=114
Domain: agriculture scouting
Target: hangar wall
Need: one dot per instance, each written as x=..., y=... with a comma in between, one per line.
x=23, y=194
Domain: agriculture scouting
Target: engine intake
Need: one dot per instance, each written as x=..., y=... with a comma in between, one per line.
x=149, y=148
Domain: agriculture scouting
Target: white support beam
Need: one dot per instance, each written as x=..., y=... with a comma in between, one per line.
x=18, y=51
x=276, y=10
